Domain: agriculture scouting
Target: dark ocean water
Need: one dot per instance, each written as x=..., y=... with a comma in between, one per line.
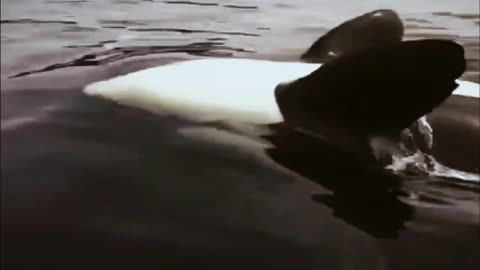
x=86, y=183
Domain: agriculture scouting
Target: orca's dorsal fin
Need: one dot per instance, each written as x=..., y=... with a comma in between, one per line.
x=380, y=90
x=378, y=28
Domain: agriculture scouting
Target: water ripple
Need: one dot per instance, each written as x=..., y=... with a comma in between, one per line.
x=33, y=21
x=457, y=15
x=212, y=49
x=190, y=31
x=240, y=7
x=191, y=3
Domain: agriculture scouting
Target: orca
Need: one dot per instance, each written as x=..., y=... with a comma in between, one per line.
x=98, y=185
x=360, y=99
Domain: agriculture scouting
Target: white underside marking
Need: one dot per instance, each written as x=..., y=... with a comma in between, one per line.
x=215, y=89
x=468, y=89
x=206, y=90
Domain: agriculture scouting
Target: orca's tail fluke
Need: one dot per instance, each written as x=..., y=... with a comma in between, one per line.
x=377, y=28
x=377, y=90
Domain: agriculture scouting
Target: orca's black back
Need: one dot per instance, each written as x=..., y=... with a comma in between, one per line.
x=378, y=28
x=377, y=90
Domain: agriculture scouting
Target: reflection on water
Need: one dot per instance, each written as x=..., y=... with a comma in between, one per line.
x=371, y=199
x=366, y=199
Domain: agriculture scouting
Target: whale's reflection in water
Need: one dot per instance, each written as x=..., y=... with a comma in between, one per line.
x=374, y=200
x=364, y=198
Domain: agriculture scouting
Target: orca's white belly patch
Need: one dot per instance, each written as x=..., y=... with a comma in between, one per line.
x=206, y=90
x=468, y=89
x=239, y=90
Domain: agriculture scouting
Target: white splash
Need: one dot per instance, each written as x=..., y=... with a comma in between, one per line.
x=420, y=163
x=425, y=130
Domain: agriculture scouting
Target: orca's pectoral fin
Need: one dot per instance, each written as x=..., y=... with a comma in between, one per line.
x=374, y=29
x=377, y=90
